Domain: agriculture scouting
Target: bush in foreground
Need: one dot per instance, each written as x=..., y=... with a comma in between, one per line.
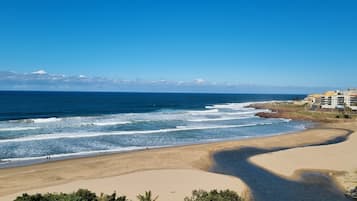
x=147, y=197
x=214, y=195
x=86, y=195
x=80, y=195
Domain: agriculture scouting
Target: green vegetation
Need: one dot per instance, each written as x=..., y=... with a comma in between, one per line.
x=86, y=195
x=303, y=112
x=214, y=195
x=147, y=197
x=80, y=195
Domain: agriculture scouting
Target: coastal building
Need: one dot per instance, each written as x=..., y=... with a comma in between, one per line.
x=351, y=99
x=313, y=99
x=339, y=99
x=329, y=100
x=333, y=100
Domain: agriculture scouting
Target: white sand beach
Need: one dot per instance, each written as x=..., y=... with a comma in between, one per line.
x=172, y=173
x=169, y=184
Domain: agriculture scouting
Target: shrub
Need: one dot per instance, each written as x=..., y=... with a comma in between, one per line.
x=111, y=197
x=214, y=195
x=86, y=195
x=147, y=197
x=27, y=197
x=80, y=195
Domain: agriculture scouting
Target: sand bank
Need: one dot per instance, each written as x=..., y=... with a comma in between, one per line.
x=339, y=157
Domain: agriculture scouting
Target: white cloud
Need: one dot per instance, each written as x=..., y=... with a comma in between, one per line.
x=199, y=81
x=41, y=80
x=39, y=72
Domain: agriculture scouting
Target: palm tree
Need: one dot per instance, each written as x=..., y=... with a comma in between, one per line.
x=147, y=197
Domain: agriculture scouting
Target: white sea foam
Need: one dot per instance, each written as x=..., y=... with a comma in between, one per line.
x=97, y=134
x=233, y=114
x=219, y=119
x=111, y=123
x=82, y=153
x=45, y=120
x=117, y=119
x=19, y=128
x=237, y=106
x=232, y=106
x=114, y=123
x=84, y=128
x=285, y=120
x=200, y=112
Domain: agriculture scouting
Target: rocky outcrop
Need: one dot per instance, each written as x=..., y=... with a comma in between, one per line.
x=352, y=193
x=290, y=111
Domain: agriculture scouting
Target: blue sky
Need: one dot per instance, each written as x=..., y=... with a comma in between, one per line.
x=298, y=46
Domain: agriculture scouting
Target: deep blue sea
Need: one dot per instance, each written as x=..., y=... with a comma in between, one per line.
x=35, y=125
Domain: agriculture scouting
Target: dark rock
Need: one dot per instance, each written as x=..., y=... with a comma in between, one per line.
x=352, y=193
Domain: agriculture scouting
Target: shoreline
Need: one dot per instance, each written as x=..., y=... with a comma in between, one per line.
x=6, y=164
x=44, y=161
x=199, y=157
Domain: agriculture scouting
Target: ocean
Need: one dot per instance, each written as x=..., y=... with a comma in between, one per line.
x=38, y=125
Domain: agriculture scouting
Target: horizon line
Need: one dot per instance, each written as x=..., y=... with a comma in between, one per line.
x=149, y=92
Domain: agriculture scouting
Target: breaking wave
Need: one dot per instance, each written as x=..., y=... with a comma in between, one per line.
x=85, y=135
x=34, y=138
x=19, y=128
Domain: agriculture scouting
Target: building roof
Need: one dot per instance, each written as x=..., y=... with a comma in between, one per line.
x=315, y=95
x=330, y=93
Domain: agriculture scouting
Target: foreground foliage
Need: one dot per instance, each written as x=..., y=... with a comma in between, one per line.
x=80, y=195
x=214, y=195
x=86, y=195
x=147, y=197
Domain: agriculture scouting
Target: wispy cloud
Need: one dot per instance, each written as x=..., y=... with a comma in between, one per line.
x=39, y=72
x=199, y=81
x=41, y=80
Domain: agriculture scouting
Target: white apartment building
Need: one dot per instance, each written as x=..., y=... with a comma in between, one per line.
x=351, y=99
x=339, y=99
